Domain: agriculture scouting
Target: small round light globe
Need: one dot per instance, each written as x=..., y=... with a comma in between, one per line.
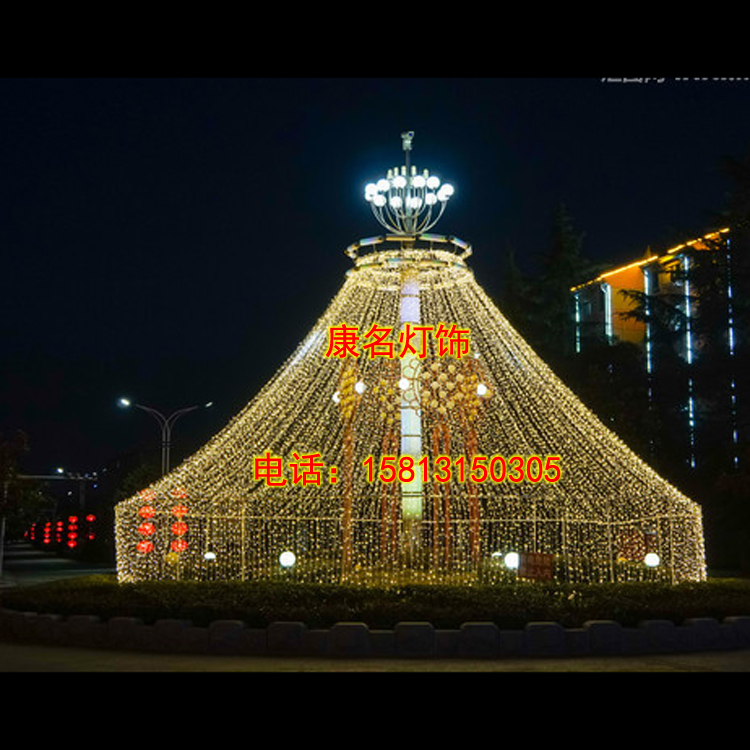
x=651, y=559
x=287, y=559
x=512, y=560
x=445, y=192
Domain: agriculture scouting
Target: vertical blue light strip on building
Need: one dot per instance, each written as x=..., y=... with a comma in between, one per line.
x=731, y=344
x=689, y=357
x=607, y=289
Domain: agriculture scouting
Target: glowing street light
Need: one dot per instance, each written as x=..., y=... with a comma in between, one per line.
x=166, y=423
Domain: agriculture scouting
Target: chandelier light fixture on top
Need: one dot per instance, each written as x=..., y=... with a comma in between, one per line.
x=408, y=202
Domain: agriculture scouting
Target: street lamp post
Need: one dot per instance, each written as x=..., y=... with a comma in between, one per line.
x=165, y=423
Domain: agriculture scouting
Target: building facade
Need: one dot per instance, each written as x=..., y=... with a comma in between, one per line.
x=639, y=301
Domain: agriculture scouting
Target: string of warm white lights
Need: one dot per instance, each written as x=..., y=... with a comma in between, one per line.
x=371, y=466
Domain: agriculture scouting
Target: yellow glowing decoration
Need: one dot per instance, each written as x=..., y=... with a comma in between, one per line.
x=497, y=399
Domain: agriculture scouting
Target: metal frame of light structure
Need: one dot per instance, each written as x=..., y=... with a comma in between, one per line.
x=406, y=201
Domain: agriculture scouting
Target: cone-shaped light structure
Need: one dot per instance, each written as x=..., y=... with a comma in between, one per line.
x=413, y=434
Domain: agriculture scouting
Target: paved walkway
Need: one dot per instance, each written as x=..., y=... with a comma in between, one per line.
x=16, y=657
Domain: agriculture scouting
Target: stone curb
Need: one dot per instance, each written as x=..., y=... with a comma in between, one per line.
x=412, y=640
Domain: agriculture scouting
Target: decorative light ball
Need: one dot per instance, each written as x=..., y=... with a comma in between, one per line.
x=209, y=556
x=481, y=389
x=360, y=387
x=433, y=182
x=287, y=559
x=399, y=182
x=651, y=559
x=430, y=199
x=445, y=192
x=418, y=181
x=383, y=185
x=396, y=202
x=512, y=560
x=403, y=383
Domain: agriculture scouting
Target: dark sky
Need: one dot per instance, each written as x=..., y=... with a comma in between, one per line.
x=174, y=239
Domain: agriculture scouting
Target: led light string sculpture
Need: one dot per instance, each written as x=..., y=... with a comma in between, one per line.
x=294, y=485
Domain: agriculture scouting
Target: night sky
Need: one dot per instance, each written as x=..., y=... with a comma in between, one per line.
x=172, y=240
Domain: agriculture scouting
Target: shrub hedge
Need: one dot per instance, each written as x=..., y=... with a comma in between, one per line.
x=509, y=606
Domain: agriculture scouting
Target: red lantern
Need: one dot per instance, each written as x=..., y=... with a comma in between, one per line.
x=145, y=547
x=179, y=545
x=147, y=528
x=180, y=510
x=179, y=528
x=147, y=511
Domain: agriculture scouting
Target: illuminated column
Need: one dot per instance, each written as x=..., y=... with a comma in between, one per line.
x=411, y=417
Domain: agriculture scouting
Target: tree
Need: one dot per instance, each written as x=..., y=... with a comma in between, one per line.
x=516, y=291
x=551, y=321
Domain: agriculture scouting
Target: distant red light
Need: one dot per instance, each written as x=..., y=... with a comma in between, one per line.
x=179, y=545
x=147, y=511
x=145, y=547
